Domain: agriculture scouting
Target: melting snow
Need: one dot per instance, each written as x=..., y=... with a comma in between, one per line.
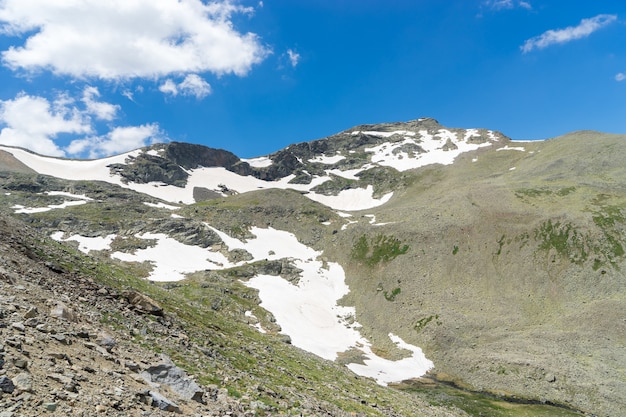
x=256, y=325
x=86, y=244
x=511, y=148
x=329, y=160
x=173, y=268
x=492, y=136
x=307, y=312
x=260, y=162
x=387, y=134
x=385, y=371
x=66, y=194
x=471, y=133
x=352, y=199
x=29, y=210
x=161, y=205
x=373, y=220
x=392, y=155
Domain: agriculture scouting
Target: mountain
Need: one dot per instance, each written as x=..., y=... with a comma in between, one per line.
x=389, y=269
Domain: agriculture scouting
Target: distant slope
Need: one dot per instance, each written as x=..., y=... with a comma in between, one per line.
x=9, y=163
x=514, y=278
x=352, y=170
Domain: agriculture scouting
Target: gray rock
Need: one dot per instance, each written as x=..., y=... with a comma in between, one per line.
x=50, y=406
x=8, y=277
x=18, y=326
x=143, y=303
x=6, y=385
x=20, y=363
x=169, y=374
x=106, y=341
x=550, y=378
x=61, y=311
x=132, y=366
x=32, y=312
x=61, y=338
x=163, y=403
x=23, y=382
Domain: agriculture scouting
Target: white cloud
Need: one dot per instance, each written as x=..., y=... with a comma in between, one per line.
x=119, y=140
x=33, y=122
x=192, y=85
x=507, y=4
x=124, y=39
x=558, y=36
x=294, y=57
x=169, y=87
x=100, y=109
x=620, y=76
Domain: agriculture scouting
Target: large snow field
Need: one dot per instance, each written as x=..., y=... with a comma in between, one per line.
x=307, y=311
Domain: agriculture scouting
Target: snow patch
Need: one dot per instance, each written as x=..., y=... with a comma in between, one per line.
x=173, y=268
x=260, y=162
x=86, y=244
x=161, y=205
x=471, y=133
x=352, y=199
x=29, y=210
x=385, y=371
x=328, y=160
x=389, y=134
x=434, y=151
x=66, y=194
x=511, y=148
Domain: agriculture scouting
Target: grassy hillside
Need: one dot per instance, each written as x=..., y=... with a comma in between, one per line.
x=513, y=280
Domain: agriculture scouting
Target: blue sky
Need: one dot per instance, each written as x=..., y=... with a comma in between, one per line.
x=90, y=78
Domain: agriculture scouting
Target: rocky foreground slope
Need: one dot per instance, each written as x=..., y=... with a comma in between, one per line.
x=502, y=260
x=72, y=345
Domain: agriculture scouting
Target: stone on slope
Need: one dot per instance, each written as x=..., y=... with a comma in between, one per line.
x=143, y=303
x=163, y=403
x=61, y=311
x=167, y=373
x=6, y=385
x=23, y=382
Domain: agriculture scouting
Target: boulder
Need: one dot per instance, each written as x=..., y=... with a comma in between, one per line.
x=166, y=373
x=143, y=303
x=61, y=311
x=6, y=385
x=163, y=403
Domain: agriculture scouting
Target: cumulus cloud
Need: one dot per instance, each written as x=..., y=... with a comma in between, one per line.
x=559, y=36
x=100, y=109
x=507, y=4
x=125, y=39
x=118, y=140
x=33, y=122
x=192, y=85
x=620, y=76
x=36, y=123
x=294, y=57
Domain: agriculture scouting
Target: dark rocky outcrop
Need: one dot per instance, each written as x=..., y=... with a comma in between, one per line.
x=146, y=168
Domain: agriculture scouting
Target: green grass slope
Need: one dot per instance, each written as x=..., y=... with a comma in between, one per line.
x=513, y=277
